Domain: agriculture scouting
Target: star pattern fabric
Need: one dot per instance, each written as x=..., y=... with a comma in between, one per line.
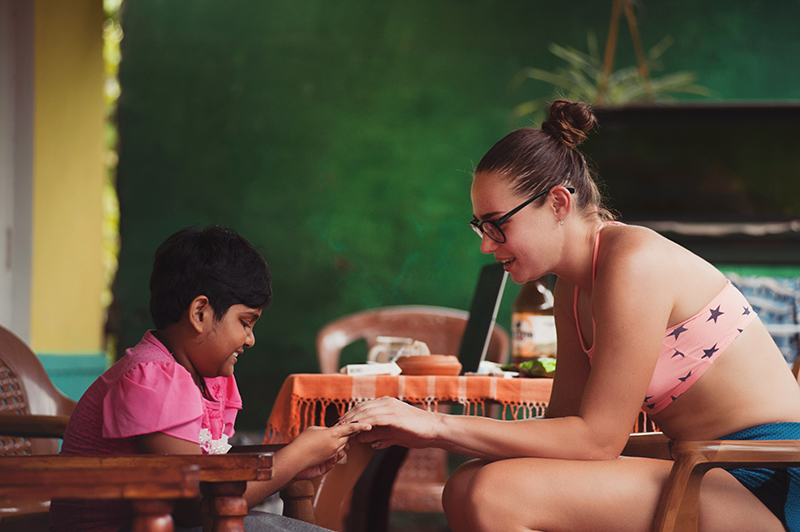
x=690, y=347
x=715, y=313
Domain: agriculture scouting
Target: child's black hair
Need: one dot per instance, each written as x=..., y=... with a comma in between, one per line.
x=215, y=262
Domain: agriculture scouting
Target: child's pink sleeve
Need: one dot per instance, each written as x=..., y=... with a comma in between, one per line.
x=152, y=397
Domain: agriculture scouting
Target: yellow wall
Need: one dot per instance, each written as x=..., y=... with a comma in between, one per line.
x=68, y=173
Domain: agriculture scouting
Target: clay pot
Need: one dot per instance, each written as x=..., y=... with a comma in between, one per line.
x=429, y=365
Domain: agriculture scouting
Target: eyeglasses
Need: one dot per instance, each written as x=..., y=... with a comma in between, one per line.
x=492, y=228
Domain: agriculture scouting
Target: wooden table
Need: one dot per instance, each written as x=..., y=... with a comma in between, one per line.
x=151, y=482
x=319, y=399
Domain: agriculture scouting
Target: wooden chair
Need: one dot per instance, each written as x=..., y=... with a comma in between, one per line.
x=34, y=416
x=678, y=510
x=421, y=479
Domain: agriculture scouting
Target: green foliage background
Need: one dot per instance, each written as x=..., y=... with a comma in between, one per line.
x=339, y=136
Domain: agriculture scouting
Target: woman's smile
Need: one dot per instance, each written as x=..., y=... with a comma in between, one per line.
x=506, y=263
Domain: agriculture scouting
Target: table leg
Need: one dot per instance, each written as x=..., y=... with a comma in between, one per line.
x=224, y=506
x=152, y=516
x=369, y=510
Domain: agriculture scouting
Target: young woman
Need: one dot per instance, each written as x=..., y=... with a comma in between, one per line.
x=643, y=324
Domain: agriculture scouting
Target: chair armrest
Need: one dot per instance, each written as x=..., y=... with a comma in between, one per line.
x=648, y=445
x=679, y=505
x=29, y=426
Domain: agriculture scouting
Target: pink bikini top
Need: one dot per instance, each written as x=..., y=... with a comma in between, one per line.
x=690, y=347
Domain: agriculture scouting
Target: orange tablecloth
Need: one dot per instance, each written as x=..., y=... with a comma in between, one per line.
x=304, y=398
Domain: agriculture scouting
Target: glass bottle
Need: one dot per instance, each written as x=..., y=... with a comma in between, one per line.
x=532, y=324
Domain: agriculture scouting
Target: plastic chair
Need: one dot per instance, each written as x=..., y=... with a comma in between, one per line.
x=439, y=327
x=29, y=402
x=421, y=478
x=33, y=415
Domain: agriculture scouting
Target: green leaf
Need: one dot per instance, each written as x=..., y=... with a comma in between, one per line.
x=580, y=78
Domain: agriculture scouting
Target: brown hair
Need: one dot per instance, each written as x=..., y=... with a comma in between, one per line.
x=533, y=160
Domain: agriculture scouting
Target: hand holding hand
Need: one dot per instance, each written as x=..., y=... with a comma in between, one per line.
x=320, y=469
x=317, y=449
x=393, y=422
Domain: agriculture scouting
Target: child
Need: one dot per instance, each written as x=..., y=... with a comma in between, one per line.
x=174, y=393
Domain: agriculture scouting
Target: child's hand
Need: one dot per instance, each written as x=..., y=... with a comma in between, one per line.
x=394, y=422
x=318, y=470
x=317, y=449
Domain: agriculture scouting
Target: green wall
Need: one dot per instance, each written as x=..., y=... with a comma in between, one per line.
x=339, y=136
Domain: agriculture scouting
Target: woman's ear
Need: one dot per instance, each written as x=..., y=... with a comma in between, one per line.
x=200, y=313
x=561, y=200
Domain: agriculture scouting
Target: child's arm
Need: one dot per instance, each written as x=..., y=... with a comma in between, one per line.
x=311, y=454
x=160, y=443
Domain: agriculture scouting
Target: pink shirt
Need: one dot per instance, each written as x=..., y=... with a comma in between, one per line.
x=146, y=391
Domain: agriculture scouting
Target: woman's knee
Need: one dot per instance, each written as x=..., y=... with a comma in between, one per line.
x=487, y=486
x=472, y=492
x=456, y=489
x=456, y=486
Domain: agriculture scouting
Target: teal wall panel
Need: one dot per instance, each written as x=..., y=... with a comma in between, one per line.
x=73, y=374
x=339, y=136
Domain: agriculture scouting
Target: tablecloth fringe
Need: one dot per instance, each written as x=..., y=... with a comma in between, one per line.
x=311, y=412
x=516, y=411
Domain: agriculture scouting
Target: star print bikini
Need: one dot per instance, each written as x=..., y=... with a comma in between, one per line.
x=689, y=347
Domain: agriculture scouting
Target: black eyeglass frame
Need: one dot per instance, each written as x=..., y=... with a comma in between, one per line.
x=478, y=226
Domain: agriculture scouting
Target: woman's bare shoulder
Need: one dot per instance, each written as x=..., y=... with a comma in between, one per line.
x=629, y=250
x=637, y=255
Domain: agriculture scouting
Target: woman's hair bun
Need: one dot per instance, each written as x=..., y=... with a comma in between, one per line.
x=569, y=121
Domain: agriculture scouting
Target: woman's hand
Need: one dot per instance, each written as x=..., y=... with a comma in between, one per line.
x=317, y=449
x=394, y=422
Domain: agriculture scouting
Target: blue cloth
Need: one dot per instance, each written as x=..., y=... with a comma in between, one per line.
x=778, y=489
x=776, y=300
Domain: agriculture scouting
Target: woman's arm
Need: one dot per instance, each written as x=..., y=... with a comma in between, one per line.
x=572, y=367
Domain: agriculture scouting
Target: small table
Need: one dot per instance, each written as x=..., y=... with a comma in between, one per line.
x=151, y=482
x=320, y=399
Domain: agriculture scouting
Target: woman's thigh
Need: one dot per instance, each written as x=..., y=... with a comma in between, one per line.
x=611, y=495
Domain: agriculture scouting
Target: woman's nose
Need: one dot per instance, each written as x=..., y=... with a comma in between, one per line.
x=487, y=245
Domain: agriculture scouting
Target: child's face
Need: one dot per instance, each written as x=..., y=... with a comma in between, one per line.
x=226, y=340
